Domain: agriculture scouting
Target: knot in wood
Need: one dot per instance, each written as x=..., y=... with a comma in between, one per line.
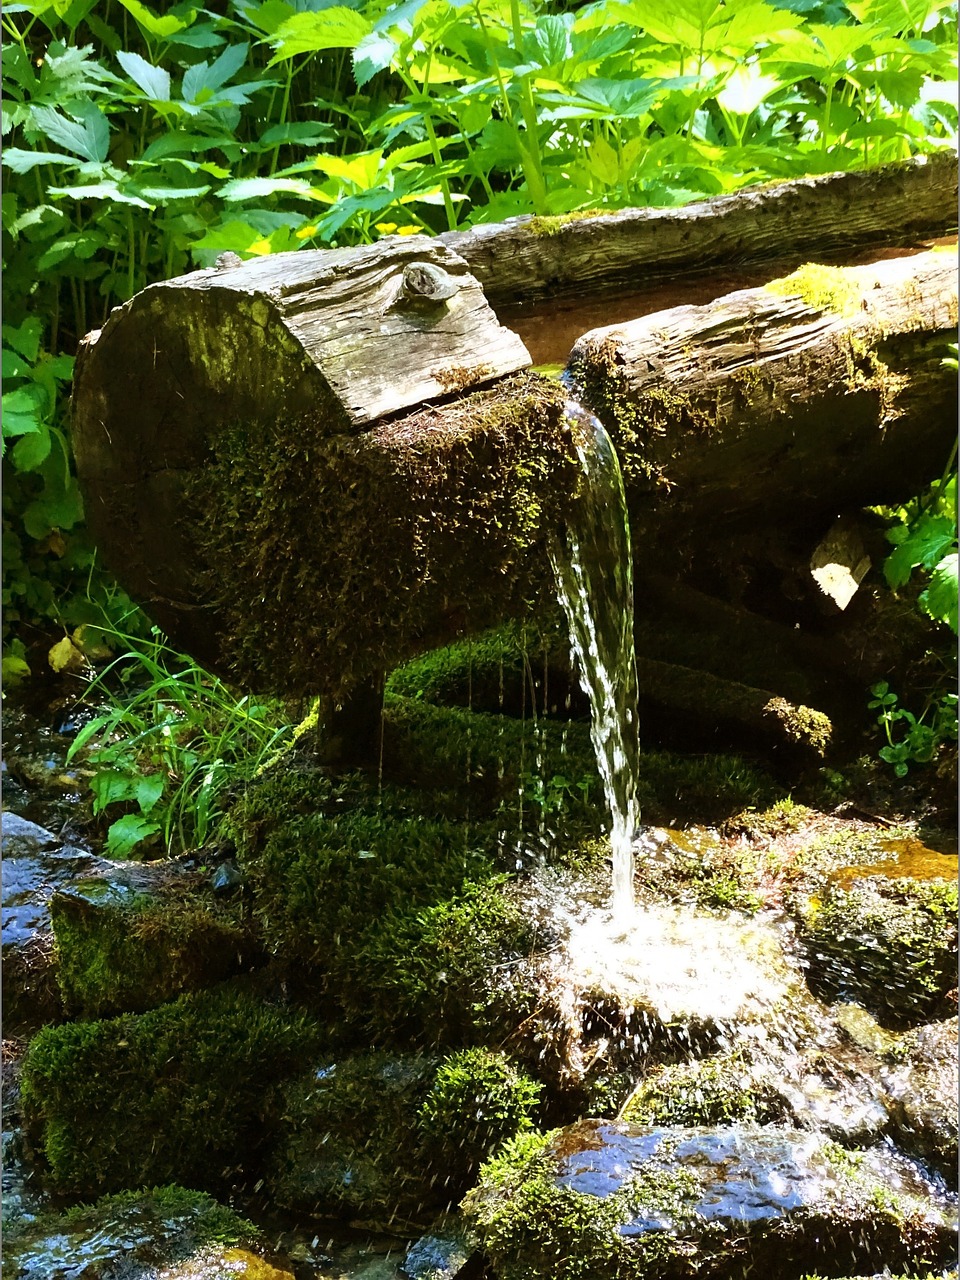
x=424, y=282
x=228, y=261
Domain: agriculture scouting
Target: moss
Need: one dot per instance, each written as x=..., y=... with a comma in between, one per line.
x=532, y=1227
x=377, y=600
x=126, y=953
x=887, y=944
x=826, y=288
x=718, y=1090
x=379, y=1135
x=549, y=225
x=802, y=724
x=180, y=1093
x=168, y=1222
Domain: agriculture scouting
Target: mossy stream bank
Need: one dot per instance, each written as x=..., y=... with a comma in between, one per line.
x=379, y=993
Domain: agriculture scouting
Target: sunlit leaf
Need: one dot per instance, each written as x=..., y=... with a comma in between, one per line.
x=922, y=544
x=940, y=598
x=154, y=81
x=154, y=24
x=374, y=53
x=336, y=28
x=127, y=832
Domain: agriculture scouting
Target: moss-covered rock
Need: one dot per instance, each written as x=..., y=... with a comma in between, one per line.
x=133, y=1234
x=124, y=946
x=180, y=1093
x=888, y=944
x=377, y=1135
x=922, y=1092
x=619, y=1202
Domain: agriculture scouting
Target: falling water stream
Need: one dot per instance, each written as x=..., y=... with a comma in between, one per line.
x=593, y=569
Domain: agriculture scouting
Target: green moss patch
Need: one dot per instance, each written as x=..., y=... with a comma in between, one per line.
x=716, y=1090
x=379, y=1135
x=124, y=952
x=180, y=1093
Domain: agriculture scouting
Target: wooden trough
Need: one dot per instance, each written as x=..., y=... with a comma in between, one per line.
x=312, y=466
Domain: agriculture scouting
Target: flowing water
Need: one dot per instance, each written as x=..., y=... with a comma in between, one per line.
x=593, y=569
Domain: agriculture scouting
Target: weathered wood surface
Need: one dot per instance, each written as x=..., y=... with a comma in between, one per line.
x=778, y=406
x=895, y=204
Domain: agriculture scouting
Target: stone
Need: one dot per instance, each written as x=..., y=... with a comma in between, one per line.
x=623, y=1202
x=35, y=866
x=923, y=1096
x=165, y=1234
x=449, y=1252
x=888, y=943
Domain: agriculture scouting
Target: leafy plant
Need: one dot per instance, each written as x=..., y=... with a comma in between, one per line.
x=169, y=745
x=913, y=739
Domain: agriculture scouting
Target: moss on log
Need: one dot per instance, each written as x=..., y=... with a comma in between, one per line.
x=778, y=406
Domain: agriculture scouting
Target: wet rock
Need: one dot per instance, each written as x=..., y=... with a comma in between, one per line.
x=165, y=1234
x=888, y=944
x=35, y=865
x=386, y=1136
x=923, y=1096
x=132, y=935
x=449, y=1252
x=621, y=1202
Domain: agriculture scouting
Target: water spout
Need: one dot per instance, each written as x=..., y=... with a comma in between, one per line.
x=593, y=570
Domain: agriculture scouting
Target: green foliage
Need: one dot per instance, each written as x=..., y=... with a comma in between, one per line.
x=171, y=740
x=180, y=1093
x=913, y=739
x=140, y=144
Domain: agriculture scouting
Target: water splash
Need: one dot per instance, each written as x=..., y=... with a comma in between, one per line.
x=593, y=570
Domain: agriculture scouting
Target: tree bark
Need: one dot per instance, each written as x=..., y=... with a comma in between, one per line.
x=777, y=408
x=532, y=257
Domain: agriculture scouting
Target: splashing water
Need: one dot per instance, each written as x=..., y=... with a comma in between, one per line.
x=593, y=569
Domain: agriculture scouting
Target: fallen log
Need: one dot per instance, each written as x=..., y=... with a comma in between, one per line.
x=774, y=409
x=532, y=257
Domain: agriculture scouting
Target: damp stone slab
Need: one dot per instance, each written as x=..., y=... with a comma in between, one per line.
x=629, y=1202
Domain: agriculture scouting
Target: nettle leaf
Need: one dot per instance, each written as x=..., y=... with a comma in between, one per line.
x=127, y=832
x=940, y=598
x=88, y=135
x=550, y=41
x=920, y=544
x=336, y=28
x=83, y=245
x=154, y=81
x=101, y=191
x=13, y=365
x=111, y=786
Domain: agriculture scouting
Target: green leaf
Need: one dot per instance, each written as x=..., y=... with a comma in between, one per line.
x=149, y=791
x=302, y=133
x=920, y=544
x=14, y=670
x=940, y=598
x=254, y=188
x=31, y=450
x=110, y=786
x=23, y=411
x=25, y=338
x=100, y=191
x=13, y=365
x=88, y=135
x=374, y=53
x=21, y=161
x=127, y=832
x=154, y=81
x=153, y=24
x=201, y=82
x=336, y=28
